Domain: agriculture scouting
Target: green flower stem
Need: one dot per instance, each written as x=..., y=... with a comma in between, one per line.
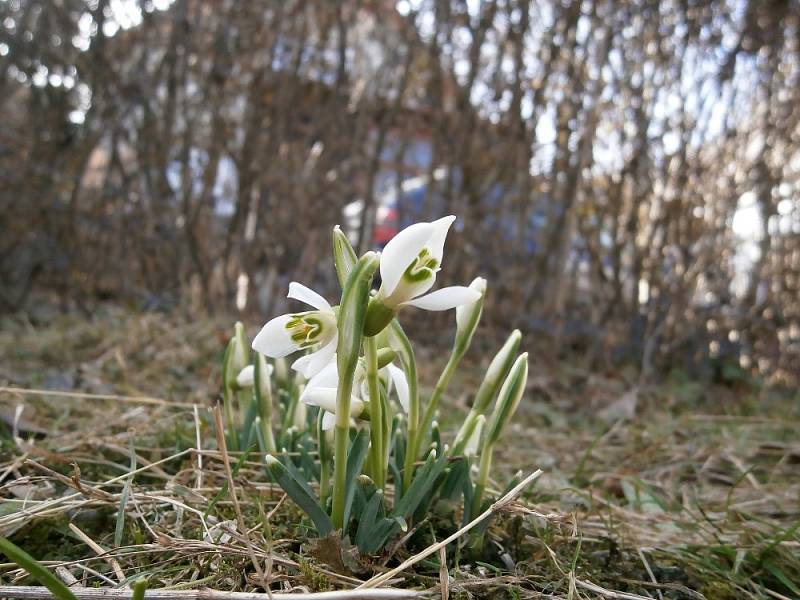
x=467, y=429
x=483, y=478
x=324, y=462
x=376, y=415
x=433, y=403
x=438, y=392
x=402, y=345
x=266, y=430
x=340, y=441
x=350, y=321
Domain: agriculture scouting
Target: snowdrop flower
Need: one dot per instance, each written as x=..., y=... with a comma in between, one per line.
x=247, y=376
x=408, y=266
x=321, y=391
x=301, y=331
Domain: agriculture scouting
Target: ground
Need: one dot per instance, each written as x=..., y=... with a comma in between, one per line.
x=672, y=489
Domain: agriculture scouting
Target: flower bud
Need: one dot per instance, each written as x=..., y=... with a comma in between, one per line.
x=468, y=316
x=246, y=377
x=263, y=375
x=344, y=257
x=300, y=416
x=497, y=371
x=508, y=399
x=471, y=447
x=282, y=372
x=240, y=352
x=236, y=359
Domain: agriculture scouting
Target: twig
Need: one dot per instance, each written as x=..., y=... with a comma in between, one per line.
x=232, y=489
x=444, y=576
x=22, y=515
x=100, y=551
x=23, y=592
x=87, y=396
x=649, y=571
x=495, y=507
x=65, y=576
x=593, y=587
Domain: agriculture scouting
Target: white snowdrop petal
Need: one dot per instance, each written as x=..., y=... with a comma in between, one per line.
x=436, y=242
x=300, y=292
x=328, y=421
x=401, y=385
x=445, y=298
x=311, y=364
x=246, y=377
x=273, y=340
x=324, y=397
x=400, y=252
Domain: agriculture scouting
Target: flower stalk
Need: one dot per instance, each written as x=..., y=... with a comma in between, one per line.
x=376, y=413
x=507, y=402
x=467, y=318
x=350, y=323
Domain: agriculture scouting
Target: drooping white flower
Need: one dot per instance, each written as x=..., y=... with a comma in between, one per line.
x=321, y=390
x=409, y=264
x=408, y=267
x=247, y=376
x=314, y=329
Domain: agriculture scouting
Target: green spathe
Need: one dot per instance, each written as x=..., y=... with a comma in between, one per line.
x=350, y=321
x=508, y=399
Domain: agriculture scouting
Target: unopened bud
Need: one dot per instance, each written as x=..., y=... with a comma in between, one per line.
x=508, y=399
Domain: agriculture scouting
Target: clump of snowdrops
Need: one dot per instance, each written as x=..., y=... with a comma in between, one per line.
x=354, y=425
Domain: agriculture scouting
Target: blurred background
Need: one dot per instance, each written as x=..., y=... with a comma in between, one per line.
x=626, y=174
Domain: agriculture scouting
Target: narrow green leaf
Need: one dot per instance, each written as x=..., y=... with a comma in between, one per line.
x=382, y=531
x=296, y=474
x=420, y=486
x=782, y=577
x=355, y=461
x=298, y=491
x=454, y=482
x=36, y=570
x=366, y=523
x=123, y=501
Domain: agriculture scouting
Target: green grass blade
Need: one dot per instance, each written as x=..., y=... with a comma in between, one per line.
x=36, y=570
x=123, y=501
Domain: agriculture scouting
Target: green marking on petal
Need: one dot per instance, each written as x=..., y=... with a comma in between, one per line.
x=309, y=328
x=422, y=268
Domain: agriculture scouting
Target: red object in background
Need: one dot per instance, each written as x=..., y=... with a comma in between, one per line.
x=385, y=226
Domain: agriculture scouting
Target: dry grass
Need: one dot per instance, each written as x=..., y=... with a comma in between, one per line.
x=668, y=491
